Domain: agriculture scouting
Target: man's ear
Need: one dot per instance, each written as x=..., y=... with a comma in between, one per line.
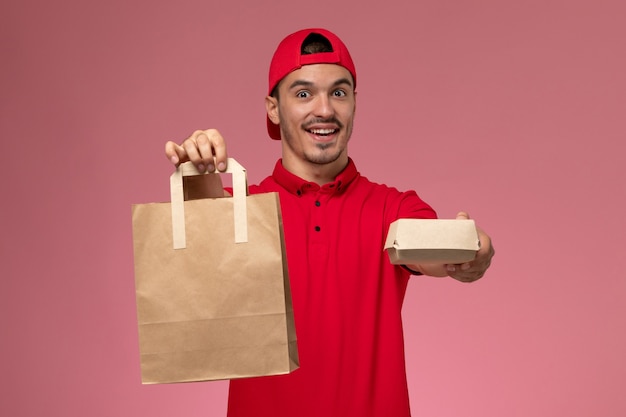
x=271, y=106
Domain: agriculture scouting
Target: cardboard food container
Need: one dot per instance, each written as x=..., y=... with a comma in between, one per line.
x=448, y=241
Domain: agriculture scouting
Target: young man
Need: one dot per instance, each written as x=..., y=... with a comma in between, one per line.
x=347, y=296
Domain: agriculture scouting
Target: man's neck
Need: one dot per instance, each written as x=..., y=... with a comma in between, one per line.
x=318, y=173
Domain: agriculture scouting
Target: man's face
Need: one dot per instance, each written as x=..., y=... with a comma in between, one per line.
x=315, y=109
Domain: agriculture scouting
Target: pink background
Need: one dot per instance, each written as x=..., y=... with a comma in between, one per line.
x=512, y=110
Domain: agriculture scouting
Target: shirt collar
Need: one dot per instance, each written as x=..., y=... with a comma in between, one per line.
x=299, y=186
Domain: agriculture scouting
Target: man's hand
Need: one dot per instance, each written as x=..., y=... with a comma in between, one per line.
x=206, y=149
x=474, y=270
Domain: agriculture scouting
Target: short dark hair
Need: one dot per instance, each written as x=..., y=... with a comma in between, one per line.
x=315, y=44
x=312, y=44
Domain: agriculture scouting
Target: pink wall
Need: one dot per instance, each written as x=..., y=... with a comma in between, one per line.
x=513, y=111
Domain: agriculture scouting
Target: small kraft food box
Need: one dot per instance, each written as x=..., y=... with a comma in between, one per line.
x=446, y=241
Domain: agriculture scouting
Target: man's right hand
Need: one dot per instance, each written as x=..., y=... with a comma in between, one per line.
x=206, y=149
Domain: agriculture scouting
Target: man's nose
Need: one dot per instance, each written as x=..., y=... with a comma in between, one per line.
x=324, y=107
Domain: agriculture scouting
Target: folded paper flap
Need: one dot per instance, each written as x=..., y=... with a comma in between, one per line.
x=230, y=363
x=433, y=234
x=240, y=191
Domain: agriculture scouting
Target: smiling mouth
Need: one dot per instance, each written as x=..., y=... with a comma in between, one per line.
x=322, y=132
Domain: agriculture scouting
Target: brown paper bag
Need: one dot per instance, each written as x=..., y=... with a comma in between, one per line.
x=212, y=286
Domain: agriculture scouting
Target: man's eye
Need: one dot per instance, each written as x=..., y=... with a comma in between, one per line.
x=339, y=93
x=303, y=94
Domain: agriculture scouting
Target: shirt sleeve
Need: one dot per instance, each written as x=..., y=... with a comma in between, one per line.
x=413, y=207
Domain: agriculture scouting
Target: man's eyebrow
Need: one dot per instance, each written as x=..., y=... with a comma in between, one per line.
x=305, y=83
x=342, y=81
x=300, y=83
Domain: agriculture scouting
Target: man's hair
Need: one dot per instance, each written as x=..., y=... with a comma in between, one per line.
x=315, y=44
x=312, y=44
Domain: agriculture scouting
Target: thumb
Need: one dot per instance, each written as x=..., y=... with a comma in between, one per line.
x=462, y=215
x=175, y=153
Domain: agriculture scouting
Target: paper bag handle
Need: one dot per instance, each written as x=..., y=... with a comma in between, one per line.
x=240, y=191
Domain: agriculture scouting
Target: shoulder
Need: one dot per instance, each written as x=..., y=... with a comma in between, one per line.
x=268, y=185
x=397, y=203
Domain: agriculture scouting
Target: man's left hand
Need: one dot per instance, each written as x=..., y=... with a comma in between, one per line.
x=473, y=270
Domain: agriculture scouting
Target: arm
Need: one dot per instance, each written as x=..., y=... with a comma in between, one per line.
x=467, y=272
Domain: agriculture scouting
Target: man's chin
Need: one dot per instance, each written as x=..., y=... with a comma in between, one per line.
x=324, y=157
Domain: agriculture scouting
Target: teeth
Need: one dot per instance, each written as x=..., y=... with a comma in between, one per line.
x=322, y=131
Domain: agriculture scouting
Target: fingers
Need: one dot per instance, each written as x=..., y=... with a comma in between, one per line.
x=466, y=272
x=467, y=277
x=206, y=149
x=219, y=148
x=476, y=269
x=175, y=153
x=469, y=271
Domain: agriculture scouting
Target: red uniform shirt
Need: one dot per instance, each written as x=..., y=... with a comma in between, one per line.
x=347, y=301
